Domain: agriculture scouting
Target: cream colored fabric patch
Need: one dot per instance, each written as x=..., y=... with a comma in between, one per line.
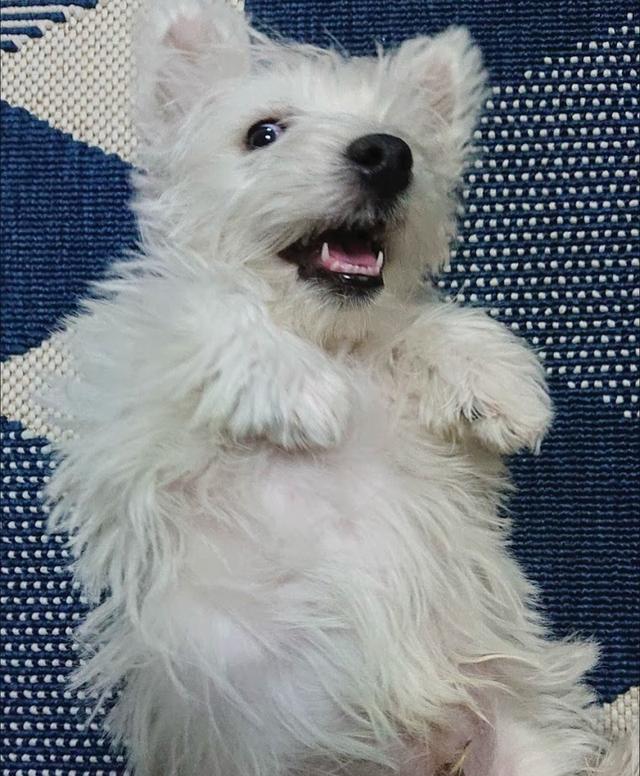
x=78, y=76
x=620, y=716
x=11, y=30
x=23, y=379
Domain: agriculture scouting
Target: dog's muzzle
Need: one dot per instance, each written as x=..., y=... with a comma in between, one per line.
x=345, y=259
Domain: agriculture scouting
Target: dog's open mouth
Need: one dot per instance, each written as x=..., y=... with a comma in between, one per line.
x=348, y=261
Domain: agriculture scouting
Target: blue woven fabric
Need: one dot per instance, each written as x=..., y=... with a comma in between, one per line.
x=576, y=531
x=43, y=724
x=513, y=35
x=549, y=244
x=64, y=218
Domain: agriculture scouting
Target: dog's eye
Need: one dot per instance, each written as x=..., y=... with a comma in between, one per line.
x=263, y=133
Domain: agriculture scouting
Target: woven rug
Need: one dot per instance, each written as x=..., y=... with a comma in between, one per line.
x=549, y=246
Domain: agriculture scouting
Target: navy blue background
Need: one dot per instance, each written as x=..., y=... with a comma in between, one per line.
x=513, y=35
x=64, y=218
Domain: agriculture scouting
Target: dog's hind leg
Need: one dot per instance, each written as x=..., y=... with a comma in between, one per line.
x=511, y=745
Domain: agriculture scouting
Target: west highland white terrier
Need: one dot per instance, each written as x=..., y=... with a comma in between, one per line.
x=283, y=484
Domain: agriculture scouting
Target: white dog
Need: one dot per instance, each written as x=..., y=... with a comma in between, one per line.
x=284, y=482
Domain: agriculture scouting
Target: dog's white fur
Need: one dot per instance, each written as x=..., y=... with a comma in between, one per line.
x=286, y=510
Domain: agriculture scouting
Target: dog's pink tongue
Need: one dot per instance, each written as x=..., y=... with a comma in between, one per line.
x=355, y=256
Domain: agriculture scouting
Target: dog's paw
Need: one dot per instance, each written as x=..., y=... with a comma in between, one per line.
x=296, y=408
x=313, y=416
x=502, y=402
x=508, y=429
x=510, y=408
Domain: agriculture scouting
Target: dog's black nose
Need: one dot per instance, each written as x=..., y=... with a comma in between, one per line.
x=384, y=163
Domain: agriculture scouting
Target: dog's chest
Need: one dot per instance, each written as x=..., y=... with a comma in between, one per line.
x=293, y=511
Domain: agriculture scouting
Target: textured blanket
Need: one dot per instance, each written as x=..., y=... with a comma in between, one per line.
x=549, y=245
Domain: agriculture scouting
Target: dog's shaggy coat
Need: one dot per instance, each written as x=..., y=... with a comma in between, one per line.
x=287, y=506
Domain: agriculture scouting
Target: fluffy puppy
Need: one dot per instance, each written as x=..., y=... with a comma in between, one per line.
x=283, y=482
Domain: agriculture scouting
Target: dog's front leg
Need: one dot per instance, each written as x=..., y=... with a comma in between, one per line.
x=217, y=359
x=264, y=382
x=469, y=374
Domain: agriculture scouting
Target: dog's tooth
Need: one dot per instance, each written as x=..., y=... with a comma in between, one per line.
x=380, y=260
x=325, y=251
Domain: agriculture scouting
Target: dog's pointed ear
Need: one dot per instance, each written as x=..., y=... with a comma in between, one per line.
x=448, y=79
x=185, y=52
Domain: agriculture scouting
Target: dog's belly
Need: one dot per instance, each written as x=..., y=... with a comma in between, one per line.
x=285, y=552
x=294, y=527
x=309, y=577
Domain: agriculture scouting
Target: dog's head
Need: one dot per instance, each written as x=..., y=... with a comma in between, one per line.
x=325, y=182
